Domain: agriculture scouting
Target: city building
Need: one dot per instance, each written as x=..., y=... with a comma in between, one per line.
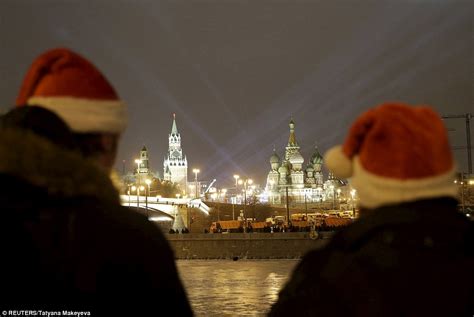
x=288, y=177
x=143, y=167
x=175, y=164
x=141, y=171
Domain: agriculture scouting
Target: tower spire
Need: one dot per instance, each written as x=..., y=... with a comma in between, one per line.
x=175, y=164
x=292, y=138
x=174, y=128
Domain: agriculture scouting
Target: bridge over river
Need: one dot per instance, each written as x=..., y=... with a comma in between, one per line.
x=175, y=210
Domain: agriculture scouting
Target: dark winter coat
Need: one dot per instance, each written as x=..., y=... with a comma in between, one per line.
x=66, y=243
x=414, y=259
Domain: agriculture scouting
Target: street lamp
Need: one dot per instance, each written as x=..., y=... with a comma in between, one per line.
x=138, y=162
x=236, y=179
x=176, y=211
x=138, y=189
x=245, y=183
x=339, y=197
x=333, y=196
x=214, y=196
x=288, y=220
x=305, y=204
x=134, y=188
x=353, y=192
x=196, y=171
x=148, y=182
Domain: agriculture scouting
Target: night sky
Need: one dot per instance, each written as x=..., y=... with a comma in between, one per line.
x=235, y=72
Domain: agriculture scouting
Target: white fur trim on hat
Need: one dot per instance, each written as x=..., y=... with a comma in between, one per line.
x=86, y=115
x=375, y=191
x=338, y=163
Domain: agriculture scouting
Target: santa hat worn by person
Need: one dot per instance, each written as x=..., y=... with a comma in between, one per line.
x=396, y=153
x=72, y=87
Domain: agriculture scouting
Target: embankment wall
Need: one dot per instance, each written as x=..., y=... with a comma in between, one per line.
x=282, y=245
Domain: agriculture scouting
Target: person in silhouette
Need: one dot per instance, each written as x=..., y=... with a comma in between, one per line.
x=69, y=243
x=411, y=253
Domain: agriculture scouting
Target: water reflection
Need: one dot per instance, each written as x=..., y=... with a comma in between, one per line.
x=233, y=288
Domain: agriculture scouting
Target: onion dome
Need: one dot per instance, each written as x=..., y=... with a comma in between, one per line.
x=317, y=158
x=274, y=158
x=296, y=158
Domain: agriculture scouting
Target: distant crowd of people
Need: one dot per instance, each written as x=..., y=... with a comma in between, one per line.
x=273, y=229
x=269, y=227
x=68, y=244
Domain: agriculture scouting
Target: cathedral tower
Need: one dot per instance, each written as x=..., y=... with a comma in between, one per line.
x=175, y=165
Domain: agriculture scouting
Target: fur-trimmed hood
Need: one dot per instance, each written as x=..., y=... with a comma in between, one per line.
x=61, y=172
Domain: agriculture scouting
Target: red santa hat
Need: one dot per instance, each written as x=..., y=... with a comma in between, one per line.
x=396, y=153
x=72, y=87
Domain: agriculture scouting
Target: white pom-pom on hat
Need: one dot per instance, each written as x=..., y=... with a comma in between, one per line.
x=338, y=163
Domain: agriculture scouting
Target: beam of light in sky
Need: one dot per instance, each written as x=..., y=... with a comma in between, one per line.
x=167, y=24
x=379, y=58
x=156, y=88
x=302, y=94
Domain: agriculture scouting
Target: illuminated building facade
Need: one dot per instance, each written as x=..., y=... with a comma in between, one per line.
x=303, y=184
x=175, y=165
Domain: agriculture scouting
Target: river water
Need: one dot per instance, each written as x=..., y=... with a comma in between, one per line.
x=233, y=288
